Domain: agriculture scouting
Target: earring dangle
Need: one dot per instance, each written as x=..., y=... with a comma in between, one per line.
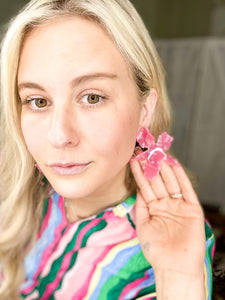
x=37, y=166
x=152, y=152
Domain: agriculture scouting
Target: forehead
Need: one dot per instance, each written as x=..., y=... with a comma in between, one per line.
x=70, y=41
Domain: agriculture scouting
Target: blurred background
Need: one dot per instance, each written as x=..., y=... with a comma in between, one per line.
x=190, y=38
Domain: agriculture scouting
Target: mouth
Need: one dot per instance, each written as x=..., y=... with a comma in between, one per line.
x=68, y=168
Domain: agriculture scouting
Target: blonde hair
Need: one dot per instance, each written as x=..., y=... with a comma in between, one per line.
x=21, y=195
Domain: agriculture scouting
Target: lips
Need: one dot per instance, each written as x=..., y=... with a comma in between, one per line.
x=68, y=168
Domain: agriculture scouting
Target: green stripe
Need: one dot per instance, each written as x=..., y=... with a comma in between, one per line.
x=131, y=200
x=72, y=262
x=44, y=210
x=131, y=222
x=147, y=290
x=102, y=224
x=45, y=207
x=134, y=269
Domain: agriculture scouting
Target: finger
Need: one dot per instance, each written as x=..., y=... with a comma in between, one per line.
x=185, y=184
x=169, y=178
x=158, y=187
x=142, y=181
x=142, y=211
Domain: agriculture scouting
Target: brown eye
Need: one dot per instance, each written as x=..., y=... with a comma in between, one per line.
x=40, y=102
x=93, y=99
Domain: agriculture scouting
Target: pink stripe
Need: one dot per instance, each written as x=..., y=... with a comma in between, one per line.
x=29, y=289
x=66, y=260
x=84, y=289
x=33, y=296
x=132, y=286
x=213, y=250
x=62, y=208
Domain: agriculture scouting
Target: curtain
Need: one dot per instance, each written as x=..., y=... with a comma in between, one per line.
x=195, y=73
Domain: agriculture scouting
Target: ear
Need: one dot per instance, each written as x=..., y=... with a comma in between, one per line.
x=148, y=107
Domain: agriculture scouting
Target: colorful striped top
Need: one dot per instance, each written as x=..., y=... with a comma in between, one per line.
x=96, y=258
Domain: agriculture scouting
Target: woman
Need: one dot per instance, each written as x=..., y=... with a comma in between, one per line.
x=80, y=80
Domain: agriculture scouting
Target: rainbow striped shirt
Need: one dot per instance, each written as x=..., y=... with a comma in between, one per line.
x=96, y=258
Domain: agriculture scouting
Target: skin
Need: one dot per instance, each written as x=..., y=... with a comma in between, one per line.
x=68, y=128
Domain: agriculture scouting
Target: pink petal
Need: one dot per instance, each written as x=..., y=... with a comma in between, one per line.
x=171, y=161
x=155, y=158
x=144, y=138
x=142, y=156
x=164, y=141
x=150, y=172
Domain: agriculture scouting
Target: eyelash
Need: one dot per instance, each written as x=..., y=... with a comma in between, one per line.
x=101, y=101
x=32, y=99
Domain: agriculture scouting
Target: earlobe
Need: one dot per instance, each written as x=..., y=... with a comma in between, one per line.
x=148, y=108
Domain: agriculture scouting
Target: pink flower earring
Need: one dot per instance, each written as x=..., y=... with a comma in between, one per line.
x=37, y=166
x=153, y=152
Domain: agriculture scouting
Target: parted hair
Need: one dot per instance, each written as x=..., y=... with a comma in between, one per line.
x=21, y=195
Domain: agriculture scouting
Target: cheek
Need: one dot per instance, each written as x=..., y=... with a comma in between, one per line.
x=32, y=136
x=118, y=135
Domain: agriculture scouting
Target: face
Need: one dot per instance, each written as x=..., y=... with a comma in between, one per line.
x=80, y=108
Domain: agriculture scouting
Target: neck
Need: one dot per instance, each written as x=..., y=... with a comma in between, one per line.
x=110, y=194
x=76, y=212
x=77, y=209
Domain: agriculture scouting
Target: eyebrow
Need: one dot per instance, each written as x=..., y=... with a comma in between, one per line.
x=87, y=77
x=76, y=81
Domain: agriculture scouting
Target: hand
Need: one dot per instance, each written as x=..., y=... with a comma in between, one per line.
x=170, y=230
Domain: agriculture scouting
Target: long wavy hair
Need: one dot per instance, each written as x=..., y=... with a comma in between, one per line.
x=21, y=195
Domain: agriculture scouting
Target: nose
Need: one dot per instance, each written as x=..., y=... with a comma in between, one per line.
x=62, y=131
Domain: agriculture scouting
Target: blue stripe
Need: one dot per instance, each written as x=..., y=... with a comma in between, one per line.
x=119, y=261
x=208, y=279
x=33, y=258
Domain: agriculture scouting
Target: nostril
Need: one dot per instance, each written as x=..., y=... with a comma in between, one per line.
x=59, y=138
